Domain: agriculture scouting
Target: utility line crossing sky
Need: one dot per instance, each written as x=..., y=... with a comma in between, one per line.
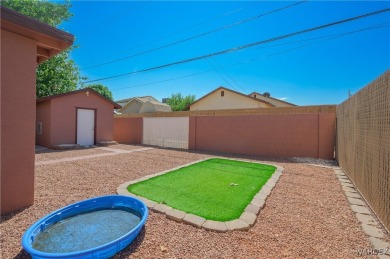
x=304, y=52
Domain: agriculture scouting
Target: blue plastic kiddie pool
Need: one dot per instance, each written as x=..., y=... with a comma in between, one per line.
x=94, y=228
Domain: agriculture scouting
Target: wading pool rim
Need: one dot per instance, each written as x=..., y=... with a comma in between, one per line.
x=81, y=207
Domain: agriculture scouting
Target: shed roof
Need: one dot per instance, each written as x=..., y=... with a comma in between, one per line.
x=50, y=40
x=47, y=98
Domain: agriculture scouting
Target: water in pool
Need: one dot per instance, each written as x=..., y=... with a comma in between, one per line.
x=86, y=231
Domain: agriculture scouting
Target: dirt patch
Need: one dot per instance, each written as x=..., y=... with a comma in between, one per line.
x=306, y=215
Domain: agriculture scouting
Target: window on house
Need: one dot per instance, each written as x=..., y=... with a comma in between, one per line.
x=222, y=93
x=254, y=95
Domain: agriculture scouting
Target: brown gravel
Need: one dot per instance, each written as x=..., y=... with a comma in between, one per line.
x=50, y=154
x=307, y=214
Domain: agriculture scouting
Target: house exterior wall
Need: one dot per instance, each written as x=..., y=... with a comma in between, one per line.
x=44, y=116
x=133, y=107
x=230, y=100
x=128, y=130
x=63, y=117
x=272, y=101
x=18, y=58
x=147, y=107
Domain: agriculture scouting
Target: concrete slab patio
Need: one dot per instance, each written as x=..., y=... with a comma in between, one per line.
x=306, y=215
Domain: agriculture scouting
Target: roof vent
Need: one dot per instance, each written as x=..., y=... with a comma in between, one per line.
x=267, y=94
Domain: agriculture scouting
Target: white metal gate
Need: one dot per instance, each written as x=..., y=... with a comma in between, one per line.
x=166, y=132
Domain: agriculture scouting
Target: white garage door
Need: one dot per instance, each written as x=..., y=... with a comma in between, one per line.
x=166, y=132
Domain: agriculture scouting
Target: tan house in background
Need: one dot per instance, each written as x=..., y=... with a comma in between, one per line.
x=145, y=104
x=25, y=42
x=276, y=102
x=223, y=98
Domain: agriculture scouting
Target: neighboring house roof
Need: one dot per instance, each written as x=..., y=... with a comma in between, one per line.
x=274, y=99
x=50, y=40
x=227, y=89
x=142, y=99
x=43, y=99
x=161, y=107
x=146, y=99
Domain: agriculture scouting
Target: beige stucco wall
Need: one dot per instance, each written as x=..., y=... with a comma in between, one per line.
x=18, y=59
x=230, y=100
x=272, y=101
x=133, y=107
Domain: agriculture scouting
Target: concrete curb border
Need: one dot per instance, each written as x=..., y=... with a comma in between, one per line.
x=369, y=223
x=244, y=222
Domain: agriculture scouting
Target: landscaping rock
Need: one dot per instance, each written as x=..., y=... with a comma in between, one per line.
x=372, y=231
x=366, y=219
x=261, y=195
x=214, y=226
x=344, y=180
x=258, y=203
x=379, y=244
x=236, y=224
x=150, y=204
x=249, y=218
x=348, y=189
x=251, y=208
x=353, y=195
x=355, y=201
x=347, y=184
x=162, y=208
x=360, y=209
x=194, y=220
x=176, y=215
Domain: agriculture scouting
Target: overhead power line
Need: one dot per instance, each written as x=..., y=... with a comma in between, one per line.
x=247, y=45
x=325, y=38
x=196, y=36
x=143, y=44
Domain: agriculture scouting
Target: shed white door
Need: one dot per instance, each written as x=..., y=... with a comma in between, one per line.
x=85, y=127
x=166, y=132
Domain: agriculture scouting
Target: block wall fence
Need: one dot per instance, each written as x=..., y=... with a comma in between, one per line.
x=304, y=131
x=363, y=143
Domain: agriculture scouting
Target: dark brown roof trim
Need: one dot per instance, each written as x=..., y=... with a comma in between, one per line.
x=274, y=99
x=224, y=88
x=43, y=99
x=35, y=25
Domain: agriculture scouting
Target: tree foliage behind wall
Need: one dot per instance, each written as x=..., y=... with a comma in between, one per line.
x=101, y=89
x=59, y=74
x=178, y=102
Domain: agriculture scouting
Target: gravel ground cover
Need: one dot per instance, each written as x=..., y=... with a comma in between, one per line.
x=306, y=215
x=50, y=154
x=126, y=147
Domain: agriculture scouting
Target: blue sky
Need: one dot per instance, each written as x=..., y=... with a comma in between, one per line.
x=319, y=67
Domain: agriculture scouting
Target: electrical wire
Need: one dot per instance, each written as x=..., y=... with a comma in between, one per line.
x=231, y=50
x=194, y=37
x=177, y=32
x=326, y=38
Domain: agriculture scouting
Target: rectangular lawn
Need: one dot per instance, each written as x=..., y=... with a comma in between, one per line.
x=216, y=189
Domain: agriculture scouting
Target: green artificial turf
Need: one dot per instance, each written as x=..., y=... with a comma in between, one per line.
x=205, y=189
